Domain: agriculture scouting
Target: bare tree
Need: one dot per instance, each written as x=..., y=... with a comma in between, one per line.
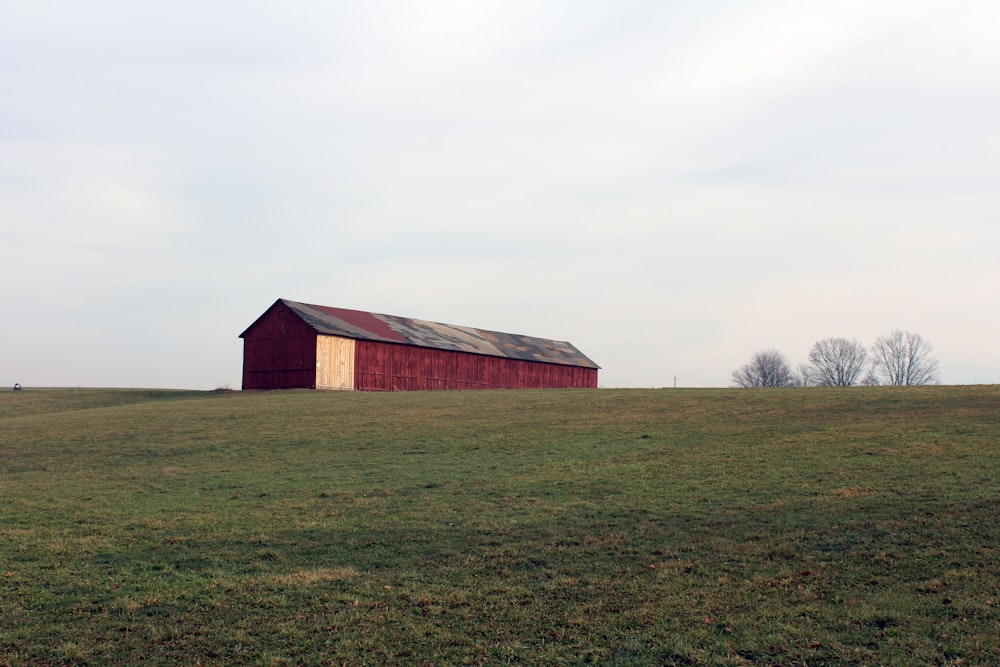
x=766, y=369
x=836, y=362
x=803, y=376
x=903, y=359
x=870, y=380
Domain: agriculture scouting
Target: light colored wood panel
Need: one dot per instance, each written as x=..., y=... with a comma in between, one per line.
x=334, y=363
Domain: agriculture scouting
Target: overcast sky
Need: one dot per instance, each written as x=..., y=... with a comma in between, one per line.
x=671, y=186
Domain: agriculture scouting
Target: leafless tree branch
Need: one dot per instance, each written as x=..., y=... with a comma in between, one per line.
x=903, y=359
x=836, y=362
x=766, y=369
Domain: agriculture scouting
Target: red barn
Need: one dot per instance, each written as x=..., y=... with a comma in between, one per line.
x=298, y=345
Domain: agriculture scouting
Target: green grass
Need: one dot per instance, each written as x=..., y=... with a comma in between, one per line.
x=628, y=527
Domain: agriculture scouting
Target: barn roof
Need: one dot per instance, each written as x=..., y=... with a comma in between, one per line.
x=363, y=325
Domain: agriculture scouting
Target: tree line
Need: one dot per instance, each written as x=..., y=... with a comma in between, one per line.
x=900, y=359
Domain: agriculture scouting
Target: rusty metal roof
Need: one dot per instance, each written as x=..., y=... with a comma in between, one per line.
x=392, y=329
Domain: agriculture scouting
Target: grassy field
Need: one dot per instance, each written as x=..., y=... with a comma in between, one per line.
x=628, y=527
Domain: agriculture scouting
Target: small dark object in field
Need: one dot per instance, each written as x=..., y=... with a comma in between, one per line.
x=644, y=436
x=17, y=386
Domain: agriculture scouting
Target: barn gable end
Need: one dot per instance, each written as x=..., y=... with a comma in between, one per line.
x=279, y=351
x=296, y=345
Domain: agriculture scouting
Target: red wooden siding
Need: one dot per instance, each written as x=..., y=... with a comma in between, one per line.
x=279, y=351
x=389, y=367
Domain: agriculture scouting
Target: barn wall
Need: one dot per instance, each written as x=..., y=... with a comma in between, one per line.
x=279, y=351
x=390, y=367
x=334, y=363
